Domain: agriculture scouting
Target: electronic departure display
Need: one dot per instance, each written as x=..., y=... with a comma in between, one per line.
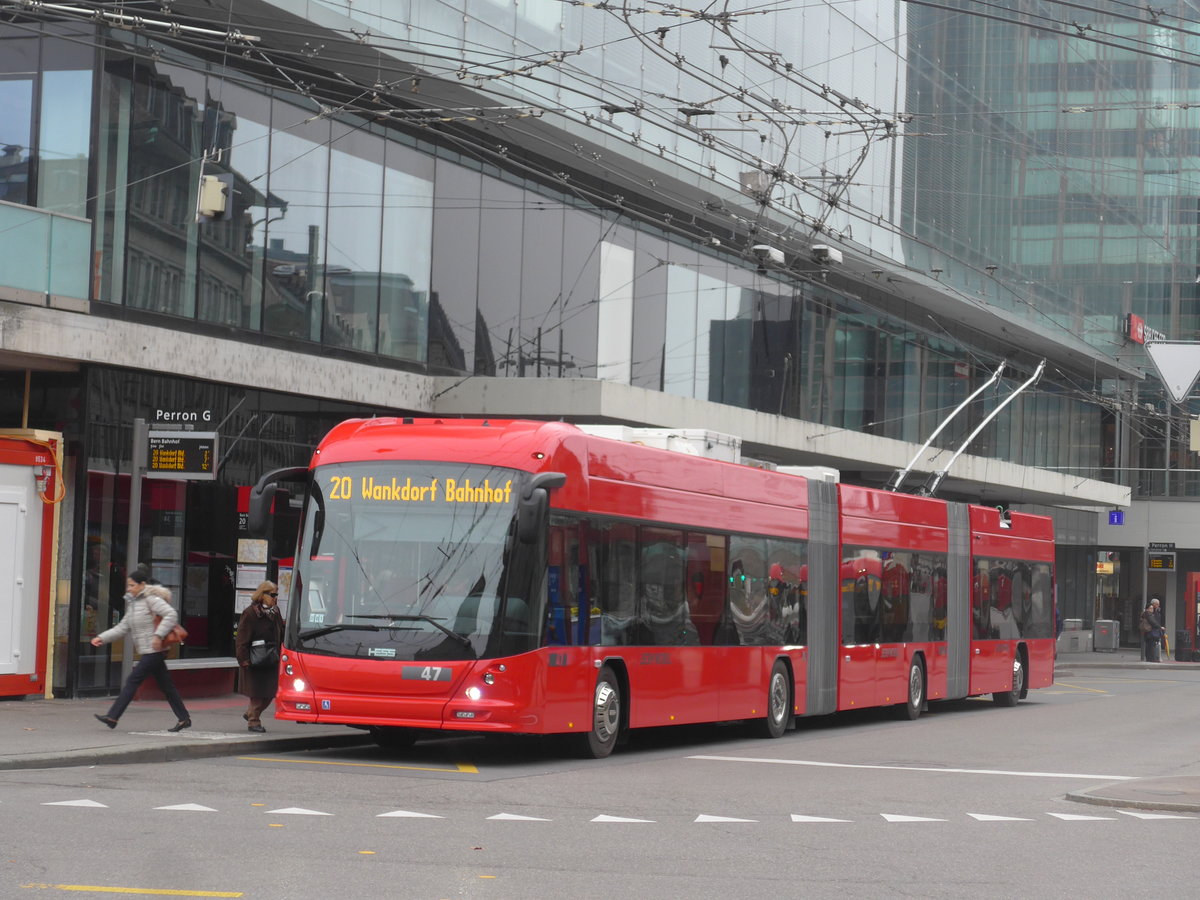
x=188, y=455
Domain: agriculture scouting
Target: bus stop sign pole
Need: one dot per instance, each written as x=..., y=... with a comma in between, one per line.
x=141, y=440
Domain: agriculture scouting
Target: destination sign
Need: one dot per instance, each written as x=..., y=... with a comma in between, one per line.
x=1162, y=560
x=434, y=490
x=188, y=455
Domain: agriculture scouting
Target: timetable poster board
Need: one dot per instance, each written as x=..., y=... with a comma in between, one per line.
x=284, y=588
x=251, y=550
x=195, y=591
x=241, y=600
x=250, y=577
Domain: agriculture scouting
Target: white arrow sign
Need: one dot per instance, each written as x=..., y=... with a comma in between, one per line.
x=1178, y=365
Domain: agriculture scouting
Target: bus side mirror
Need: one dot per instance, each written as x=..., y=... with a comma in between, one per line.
x=262, y=496
x=535, y=500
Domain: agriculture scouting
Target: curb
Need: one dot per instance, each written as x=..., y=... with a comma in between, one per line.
x=1122, y=803
x=174, y=752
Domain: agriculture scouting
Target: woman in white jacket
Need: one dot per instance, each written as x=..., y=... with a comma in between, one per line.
x=143, y=602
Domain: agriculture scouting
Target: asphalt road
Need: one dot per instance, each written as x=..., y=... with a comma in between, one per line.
x=968, y=801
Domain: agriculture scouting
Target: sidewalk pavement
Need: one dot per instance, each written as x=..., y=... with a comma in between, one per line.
x=44, y=734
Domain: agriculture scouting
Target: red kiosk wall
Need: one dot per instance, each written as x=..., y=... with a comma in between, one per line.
x=29, y=482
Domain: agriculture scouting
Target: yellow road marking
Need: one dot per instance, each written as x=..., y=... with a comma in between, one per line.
x=460, y=768
x=1076, y=687
x=158, y=892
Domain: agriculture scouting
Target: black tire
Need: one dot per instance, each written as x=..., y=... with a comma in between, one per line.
x=779, y=702
x=1011, y=698
x=393, y=739
x=606, y=716
x=915, y=703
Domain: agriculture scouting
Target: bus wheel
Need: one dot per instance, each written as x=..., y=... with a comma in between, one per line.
x=606, y=716
x=1010, y=698
x=395, y=739
x=916, y=691
x=779, y=701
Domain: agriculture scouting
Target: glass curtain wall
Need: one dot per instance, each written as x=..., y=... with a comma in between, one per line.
x=45, y=116
x=332, y=242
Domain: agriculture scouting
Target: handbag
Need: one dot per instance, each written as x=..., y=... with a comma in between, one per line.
x=263, y=655
x=177, y=635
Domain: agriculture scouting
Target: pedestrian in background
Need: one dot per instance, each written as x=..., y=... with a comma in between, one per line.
x=1152, y=630
x=259, y=641
x=145, y=599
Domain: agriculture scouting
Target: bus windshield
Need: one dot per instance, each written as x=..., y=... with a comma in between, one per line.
x=409, y=561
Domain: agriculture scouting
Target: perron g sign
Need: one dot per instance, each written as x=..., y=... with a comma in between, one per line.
x=186, y=455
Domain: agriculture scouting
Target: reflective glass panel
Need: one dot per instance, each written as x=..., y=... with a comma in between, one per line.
x=294, y=298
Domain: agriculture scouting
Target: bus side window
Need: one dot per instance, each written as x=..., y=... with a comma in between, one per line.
x=561, y=581
x=613, y=546
x=706, y=583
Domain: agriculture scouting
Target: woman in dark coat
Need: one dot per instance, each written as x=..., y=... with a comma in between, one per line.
x=260, y=621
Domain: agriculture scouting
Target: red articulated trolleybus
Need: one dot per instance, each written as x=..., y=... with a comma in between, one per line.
x=531, y=577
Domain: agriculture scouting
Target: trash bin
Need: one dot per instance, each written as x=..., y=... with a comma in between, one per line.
x=1106, y=634
x=1184, y=645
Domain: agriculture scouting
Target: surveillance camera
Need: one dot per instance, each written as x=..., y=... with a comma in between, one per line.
x=991, y=270
x=823, y=253
x=767, y=254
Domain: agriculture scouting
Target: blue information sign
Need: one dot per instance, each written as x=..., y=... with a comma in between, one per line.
x=1116, y=517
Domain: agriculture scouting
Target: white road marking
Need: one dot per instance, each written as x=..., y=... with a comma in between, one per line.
x=894, y=818
x=510, y=817
x=703, y=818
x=620, y=819
x=830, y=765
x=1142, y=815
x=91, y=803
x=405, y=814
x=296, y=811
x=188, y=807
x=981, y=817
x=1068, y=817
x=796, y=818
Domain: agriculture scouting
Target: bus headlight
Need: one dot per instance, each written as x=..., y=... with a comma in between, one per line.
x=474, y=693
x=299, y=685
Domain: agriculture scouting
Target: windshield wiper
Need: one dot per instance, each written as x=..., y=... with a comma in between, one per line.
x=330, y=629
x=461, y=638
